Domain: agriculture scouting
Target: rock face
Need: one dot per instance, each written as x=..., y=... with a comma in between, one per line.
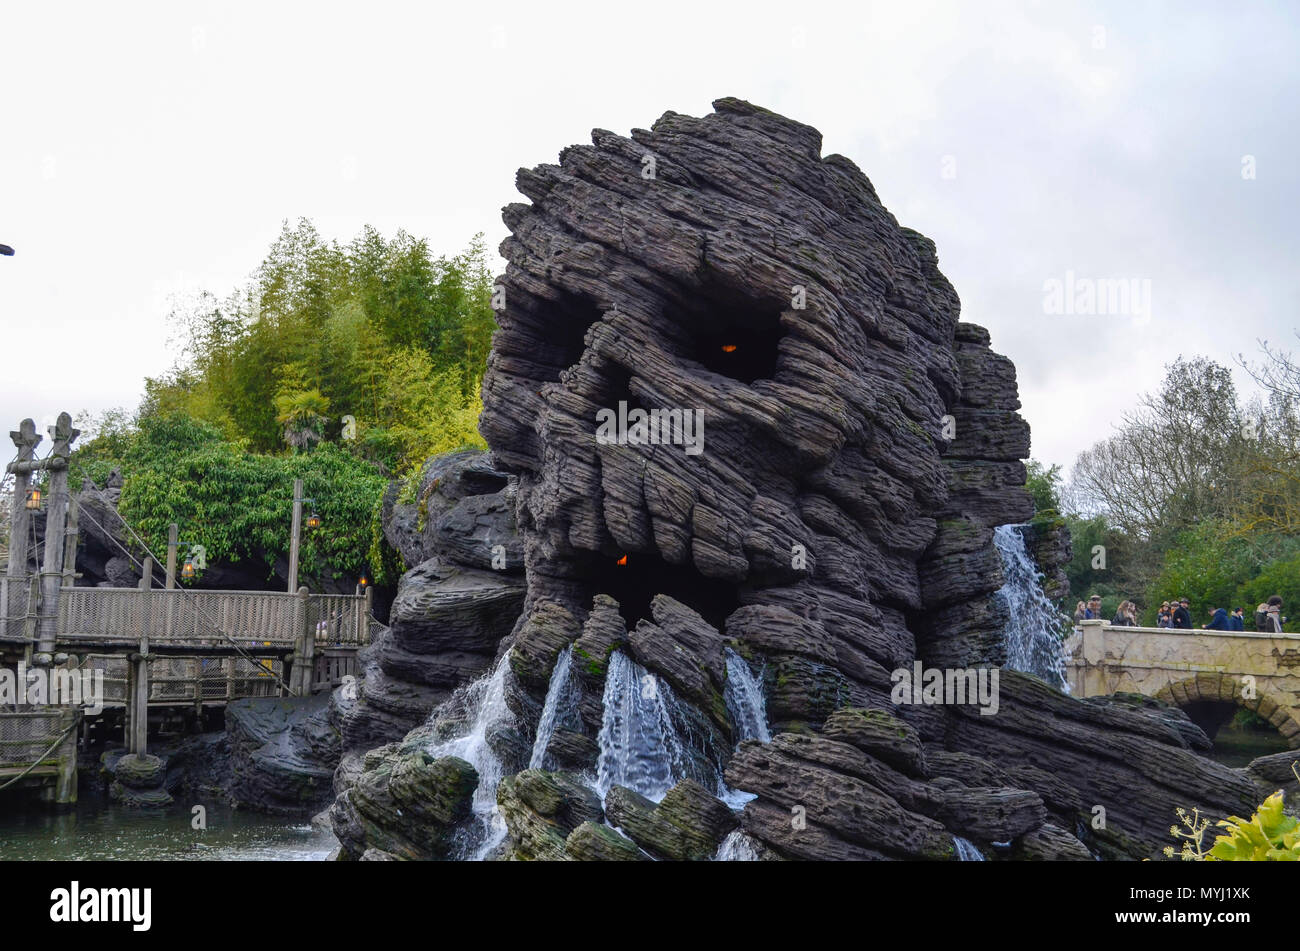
x=138, y=781
x=452, y=609
x=743, y=438
x=404, y=805
x=826, y=508
x=283, y=753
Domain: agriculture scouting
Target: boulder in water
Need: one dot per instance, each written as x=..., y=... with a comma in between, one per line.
x=405, y=804
x=688, y=824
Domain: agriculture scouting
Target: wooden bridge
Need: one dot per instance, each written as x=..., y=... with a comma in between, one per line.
x=146, y=646
x=1193, y=669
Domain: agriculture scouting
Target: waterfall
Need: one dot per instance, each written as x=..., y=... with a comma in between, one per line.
x=561, y=699
x=1034, y=626
x=640, y=747
x=737, y=847
x=647, y=740
x=966, y=850
x=744, y=696
x=485, y=705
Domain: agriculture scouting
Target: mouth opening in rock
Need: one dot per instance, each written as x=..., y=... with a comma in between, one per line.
x=641, y=576
x=732, y=334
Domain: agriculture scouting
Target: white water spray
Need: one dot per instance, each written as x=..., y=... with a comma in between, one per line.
x=966, y=850
x=744, y=696
x=485, y=702
x=1034, y=627
x=639, y=744
x=737, y=847
x=560, y=700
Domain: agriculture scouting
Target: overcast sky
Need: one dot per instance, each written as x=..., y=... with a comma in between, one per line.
x=150, y=149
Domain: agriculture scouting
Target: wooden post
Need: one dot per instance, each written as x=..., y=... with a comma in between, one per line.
x=303, y=659
x=26, y=439
x=173, y=542
x=65, y=786
x=56, y=514
x=363, y=637
x=70, y=544
x=293, y=535
x=140, y=684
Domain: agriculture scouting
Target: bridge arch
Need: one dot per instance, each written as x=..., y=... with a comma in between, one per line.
x=1220, y=687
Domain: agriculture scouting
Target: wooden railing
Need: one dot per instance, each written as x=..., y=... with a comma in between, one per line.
x=175, y=616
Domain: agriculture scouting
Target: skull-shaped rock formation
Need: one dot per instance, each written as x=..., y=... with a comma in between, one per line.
x=823, y=452
x=743, y=425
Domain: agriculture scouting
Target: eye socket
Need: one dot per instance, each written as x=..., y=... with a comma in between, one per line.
x=565, y=322
x=732, y=334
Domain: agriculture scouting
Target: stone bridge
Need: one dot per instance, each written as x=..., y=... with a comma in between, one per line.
x=1206, y=673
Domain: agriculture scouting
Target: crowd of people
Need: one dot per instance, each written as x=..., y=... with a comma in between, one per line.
x=1177, y=614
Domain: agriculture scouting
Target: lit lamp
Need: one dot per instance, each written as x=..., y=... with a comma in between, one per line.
x=33, y=498
x=192, y=564
x=313, y=520
x=364, y=581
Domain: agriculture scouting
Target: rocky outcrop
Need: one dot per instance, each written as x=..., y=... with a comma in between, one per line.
x=542, y=809
x=403, y=805
x=452, y=609
x=743, y=414
x=283, y=753
x=686, y=825
x=138, y=780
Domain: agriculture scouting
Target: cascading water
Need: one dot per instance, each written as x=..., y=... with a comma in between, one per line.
x=640, y=747
x=561, y=701
x=485, y=705
x=966, y=850
x=646, y=739
x=1034, y=626
x=737, y=847
x=744, y=696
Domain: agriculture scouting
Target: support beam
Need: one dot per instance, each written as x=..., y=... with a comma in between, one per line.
x=56, y=514
x=294, y=532
x=26, y=439
x=173, y=542
x=70, y=544
x=140, y=681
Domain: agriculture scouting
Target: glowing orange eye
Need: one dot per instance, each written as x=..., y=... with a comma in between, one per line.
x=622, y=561
x=728, y=348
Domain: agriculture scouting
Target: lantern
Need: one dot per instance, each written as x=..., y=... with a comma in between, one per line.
x=364, y=581
x=33, y=498
x=313, y=520
x=187, y=570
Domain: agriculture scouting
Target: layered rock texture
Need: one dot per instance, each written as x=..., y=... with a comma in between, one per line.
x=824, y=511
x=452, y=608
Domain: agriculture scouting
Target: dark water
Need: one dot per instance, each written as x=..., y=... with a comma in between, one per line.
x=98, y=829
x=1236, y=745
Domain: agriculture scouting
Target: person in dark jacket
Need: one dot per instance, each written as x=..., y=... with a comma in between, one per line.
x=1094, y=608
x=1237, y=620
x=1219, y=622
x=1275, y=618
x=1183, y=616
